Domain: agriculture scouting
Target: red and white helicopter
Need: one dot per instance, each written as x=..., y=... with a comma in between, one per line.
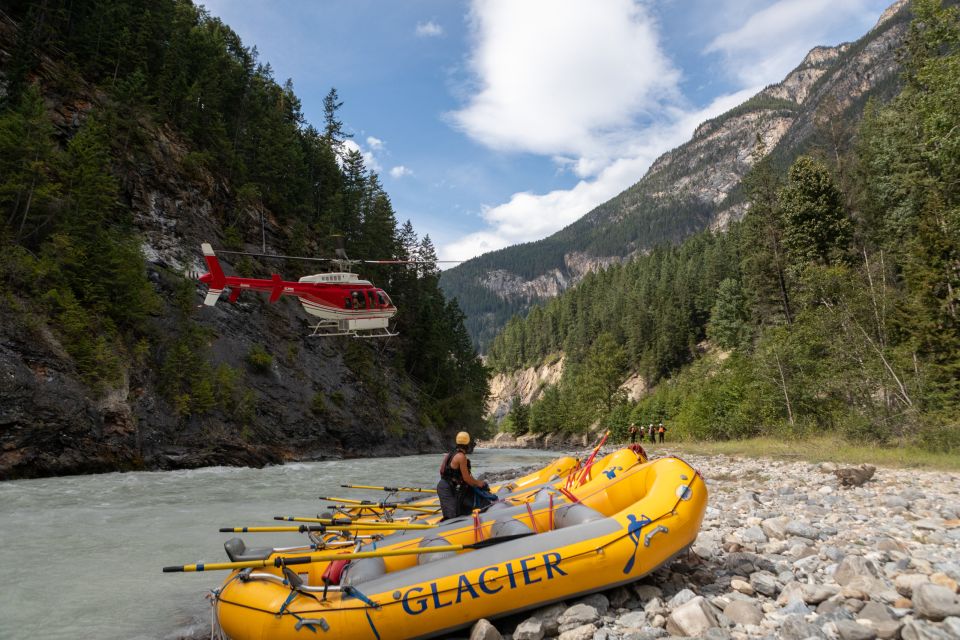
x=343, y=304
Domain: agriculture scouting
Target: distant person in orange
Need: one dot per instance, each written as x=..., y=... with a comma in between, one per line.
x=662, y=430
x=633, y=433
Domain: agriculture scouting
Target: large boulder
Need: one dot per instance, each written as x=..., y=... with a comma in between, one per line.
x=934, y=602
x=484, y=630
x=692, y=618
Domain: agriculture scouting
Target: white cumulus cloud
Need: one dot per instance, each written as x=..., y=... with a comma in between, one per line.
x=562, y=77
x=374, y=143
x=774, y=40
x=429, y=29
x=400, y=171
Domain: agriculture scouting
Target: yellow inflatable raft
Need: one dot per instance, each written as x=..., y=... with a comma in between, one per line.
x=621, y=524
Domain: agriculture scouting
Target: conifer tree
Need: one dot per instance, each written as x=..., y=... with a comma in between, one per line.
x=817, y=228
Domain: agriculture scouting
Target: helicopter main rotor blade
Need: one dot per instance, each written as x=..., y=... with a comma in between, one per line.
x=277, y=256
x=406, y=261
x=282, y=257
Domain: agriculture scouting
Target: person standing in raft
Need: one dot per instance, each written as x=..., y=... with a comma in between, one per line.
x=457, y=486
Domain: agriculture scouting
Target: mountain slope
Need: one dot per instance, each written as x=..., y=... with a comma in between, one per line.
x=693, y=187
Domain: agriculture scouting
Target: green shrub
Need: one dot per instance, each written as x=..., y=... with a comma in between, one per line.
x=259, y=360
x=318, y=405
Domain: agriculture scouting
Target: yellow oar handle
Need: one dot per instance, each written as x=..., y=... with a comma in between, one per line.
x=389, y=489
x=396, y=526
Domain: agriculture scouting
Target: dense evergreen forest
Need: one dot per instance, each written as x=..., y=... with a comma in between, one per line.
x=72, y=256
x=834, y=305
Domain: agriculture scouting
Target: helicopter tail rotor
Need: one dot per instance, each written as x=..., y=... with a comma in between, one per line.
x=215, y=278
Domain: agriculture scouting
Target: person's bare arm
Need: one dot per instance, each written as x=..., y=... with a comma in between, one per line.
x=460, y=462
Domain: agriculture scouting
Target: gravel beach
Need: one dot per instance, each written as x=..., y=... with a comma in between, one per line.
x=787, y=551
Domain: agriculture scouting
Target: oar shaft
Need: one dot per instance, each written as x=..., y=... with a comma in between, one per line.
x=386, y=553
x=390, y=489
x=382, y=507
x=358, y=524
x=321, y=528
x=280, y=561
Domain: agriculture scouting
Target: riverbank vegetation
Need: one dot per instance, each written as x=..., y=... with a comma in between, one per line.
x=897, y=455
x=833, y=306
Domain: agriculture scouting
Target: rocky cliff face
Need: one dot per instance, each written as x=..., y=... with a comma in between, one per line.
x=695, y=186
x=526, y=384
x=316, y=398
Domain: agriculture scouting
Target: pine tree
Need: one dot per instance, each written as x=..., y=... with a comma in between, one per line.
x=817, y=227
x=728, y=318
x=333, y=128
x=28, y=158
x=762, y=236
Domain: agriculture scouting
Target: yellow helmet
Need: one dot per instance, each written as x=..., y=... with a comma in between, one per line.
x=463, y=438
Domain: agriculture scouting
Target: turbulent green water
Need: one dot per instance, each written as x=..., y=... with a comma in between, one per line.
x=82, y=555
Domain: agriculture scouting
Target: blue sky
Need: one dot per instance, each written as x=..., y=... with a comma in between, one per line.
x=493, y=122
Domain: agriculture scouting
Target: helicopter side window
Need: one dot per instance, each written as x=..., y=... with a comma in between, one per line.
x=359, y=301
x=373, y=302
x=381, y=299
x=347, y=303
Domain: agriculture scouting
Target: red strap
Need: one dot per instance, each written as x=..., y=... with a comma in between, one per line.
x=586, y=467
x=552, y=527
x=533, y=521
x=572, y=498
x=572, y=474
x=477, y=527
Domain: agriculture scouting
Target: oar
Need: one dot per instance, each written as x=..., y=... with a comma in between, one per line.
x=282, y=561
x=388, y=489
x=370, y=503
x=366, y=504
x=398, y=526
x=304, y=528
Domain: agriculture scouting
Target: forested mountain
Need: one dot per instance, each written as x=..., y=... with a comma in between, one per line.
x=130, y=131
x=833, y=305
x=694, y=187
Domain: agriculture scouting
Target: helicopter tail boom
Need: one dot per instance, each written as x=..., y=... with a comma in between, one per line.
x=215, y=278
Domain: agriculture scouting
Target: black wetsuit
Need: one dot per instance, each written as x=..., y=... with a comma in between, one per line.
x=456, y=499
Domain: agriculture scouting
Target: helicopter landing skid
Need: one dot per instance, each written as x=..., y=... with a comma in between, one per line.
x=376, y=333
x=332, y=328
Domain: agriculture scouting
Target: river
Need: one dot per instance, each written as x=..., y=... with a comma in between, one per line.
x=82, y=555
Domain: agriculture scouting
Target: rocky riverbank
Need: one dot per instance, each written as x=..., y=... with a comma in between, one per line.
x=786, y=552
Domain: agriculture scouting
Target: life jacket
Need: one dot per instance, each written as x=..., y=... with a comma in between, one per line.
x=448, y=473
